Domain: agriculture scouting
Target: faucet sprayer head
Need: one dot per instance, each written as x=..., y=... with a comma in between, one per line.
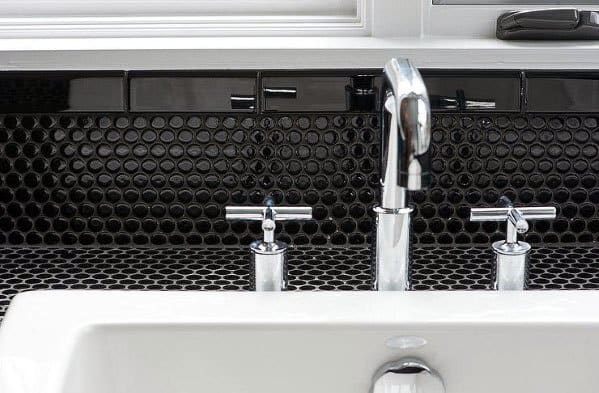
x=406, y=110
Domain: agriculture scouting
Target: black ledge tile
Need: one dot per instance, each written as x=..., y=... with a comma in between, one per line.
x=187, y=92
x=356, y=91
x=473, y=91
x=52, y=92
x=559, y=93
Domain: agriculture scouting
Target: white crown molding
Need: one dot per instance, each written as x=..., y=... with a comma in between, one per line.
x=258, y=53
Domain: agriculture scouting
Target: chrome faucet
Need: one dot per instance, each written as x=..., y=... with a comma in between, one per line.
x=511, y=255
x=405, y=166
x=407, y=375
x=268, y=257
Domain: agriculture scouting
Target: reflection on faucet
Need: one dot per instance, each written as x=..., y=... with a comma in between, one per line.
x=461, y=103
x=405, y=166
x=407, y=375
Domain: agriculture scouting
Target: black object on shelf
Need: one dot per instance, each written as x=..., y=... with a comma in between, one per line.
x=549, y=24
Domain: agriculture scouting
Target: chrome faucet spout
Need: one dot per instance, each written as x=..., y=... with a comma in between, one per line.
x=405, y=166
x=406, y=119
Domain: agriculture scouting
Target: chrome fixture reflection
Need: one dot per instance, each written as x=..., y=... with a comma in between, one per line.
x=280, y=92
x=407, y=375
x=511, y=255
x=405, y=166
x=268, y=256
x=362, y=94
x=243, y=102
x=461, y=103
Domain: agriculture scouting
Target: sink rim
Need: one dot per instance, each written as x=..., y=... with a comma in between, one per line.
x=66, y=306
x=42, y=328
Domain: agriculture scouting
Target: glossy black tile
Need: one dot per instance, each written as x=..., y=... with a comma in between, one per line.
x=192, y=93
x=157, y=179
x=321, y=93
x=473, y=92
x=562, y=93
x=51, y=92
x=291, y=91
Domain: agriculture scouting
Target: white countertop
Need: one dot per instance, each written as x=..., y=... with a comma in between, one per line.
x=290, y=53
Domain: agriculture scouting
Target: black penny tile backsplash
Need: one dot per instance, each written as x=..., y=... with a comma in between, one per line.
x=533, y=159
x=152, y=159
x=155, y=180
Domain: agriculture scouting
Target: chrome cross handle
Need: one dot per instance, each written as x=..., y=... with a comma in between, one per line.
x=511, y=255
x=268, y=214
x=516, y=217
x=268, y=256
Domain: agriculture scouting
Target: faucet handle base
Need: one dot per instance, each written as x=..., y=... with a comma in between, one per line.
x=511, y=261
x=392, y=249
x=268, y=266
x=512, y=256
x=268, y=256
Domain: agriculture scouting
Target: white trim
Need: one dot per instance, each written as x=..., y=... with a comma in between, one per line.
x=273, y=18
x=140, y=18
x=142, y=8
x=515, y=2
x=257, y=53
x=366, y=36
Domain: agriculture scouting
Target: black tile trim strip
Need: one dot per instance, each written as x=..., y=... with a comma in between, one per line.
x=474, y=91
x=523, y=92
x=73, y=91
x=562, y=93
x=165, y=93
x=126, y=89
x=44, y=96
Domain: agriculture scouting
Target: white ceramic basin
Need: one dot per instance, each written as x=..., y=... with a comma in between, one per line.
x=309, y=342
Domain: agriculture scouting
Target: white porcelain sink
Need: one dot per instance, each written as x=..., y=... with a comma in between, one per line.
x=309, y=342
